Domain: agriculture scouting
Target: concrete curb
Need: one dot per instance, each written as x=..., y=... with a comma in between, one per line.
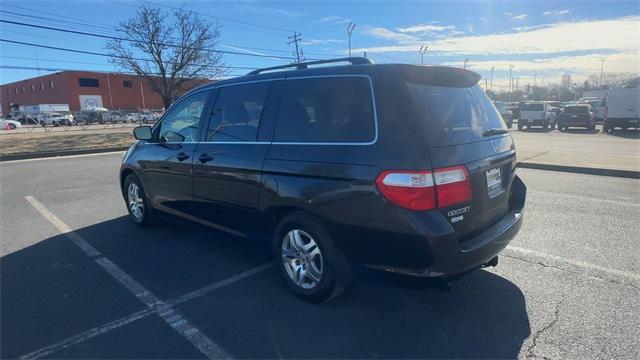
x=49, y=154
x=630, y=174
x=523, y=165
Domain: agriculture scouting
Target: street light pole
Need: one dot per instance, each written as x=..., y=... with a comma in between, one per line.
x=510, y=82
x=423, y=50
x=491, y=81
x=350, y=29
x=465, y=62
x=601, y=70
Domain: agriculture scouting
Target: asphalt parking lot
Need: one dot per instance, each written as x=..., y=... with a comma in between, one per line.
x=567, y=287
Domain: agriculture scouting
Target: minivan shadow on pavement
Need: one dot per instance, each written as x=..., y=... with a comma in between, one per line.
x=51, y=291
x=627, y=134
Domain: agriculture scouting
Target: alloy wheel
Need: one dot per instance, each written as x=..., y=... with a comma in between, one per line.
x=136, y=203
x=302, y=259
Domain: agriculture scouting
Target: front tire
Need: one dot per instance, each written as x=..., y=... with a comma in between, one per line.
x=309, y=262
x=137, y=202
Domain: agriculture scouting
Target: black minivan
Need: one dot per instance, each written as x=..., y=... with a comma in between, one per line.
x=402, y=168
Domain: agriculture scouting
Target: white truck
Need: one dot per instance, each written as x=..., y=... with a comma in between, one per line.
x=622, y=108
x=536, y=114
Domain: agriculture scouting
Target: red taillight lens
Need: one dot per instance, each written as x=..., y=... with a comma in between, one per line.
x=453, y=185
x=409, y=189
x=425, y=190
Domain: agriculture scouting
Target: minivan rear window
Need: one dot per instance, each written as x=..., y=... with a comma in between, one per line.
x=326, y=110
x=454, y=115
x=576, y=109
x=532, y=107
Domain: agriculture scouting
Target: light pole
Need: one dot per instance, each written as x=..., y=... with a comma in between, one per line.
x=601, y=70
x=465, y=62
x=423, y=50
x=350, y=29
x=510, y=82
x=491, y=81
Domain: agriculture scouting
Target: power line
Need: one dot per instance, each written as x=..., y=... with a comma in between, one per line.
x=103, y=54
x=137, y=41
x=36, y=68
x=217, y=17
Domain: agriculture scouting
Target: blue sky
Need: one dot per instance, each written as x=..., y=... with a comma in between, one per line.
x=541, y=39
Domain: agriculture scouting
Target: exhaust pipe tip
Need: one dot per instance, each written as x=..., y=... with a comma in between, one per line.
x=491, y=263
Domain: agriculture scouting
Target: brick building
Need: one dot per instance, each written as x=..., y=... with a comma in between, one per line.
x=82, y=89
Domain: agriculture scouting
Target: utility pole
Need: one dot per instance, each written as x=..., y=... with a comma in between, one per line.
x=350, y=29
x=510, y=82
x=365, y=54
x=491, y=81
x=423, y=50
x=601, y=70
x=465, y=62
x=296, y=38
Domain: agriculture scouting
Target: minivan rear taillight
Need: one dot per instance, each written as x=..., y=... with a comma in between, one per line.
x=425, y=190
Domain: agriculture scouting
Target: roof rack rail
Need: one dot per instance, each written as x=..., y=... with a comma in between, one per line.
x=304, y=65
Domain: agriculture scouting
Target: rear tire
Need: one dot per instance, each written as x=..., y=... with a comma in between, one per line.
x=137, y=202
x=12, y=126
x=520, y=126
x=308, y=260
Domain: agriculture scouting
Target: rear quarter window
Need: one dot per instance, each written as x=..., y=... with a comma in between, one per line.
x=326, y=110
x=454, y=115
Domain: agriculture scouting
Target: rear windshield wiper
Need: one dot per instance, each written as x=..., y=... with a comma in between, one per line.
x=492, y=132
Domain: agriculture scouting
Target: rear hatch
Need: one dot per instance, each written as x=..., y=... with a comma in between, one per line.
x=532, y=112
x=464, y=128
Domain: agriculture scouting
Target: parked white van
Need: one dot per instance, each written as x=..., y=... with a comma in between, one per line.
x=622, y=108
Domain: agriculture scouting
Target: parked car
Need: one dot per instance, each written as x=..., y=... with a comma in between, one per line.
x=622, y=108
x=536, y=114
x=401, y=168
x=9, y=124
x=115, y=116
x=576, y=116
x=149, y=116
x=597, y=108
x=133, y=117
x=507, y=115
x=90, y=116
x=55, y=119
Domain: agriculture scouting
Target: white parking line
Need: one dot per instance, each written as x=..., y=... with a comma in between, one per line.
x=582, y=264
x=164, y=310
x=208, y=347
x=62, y=157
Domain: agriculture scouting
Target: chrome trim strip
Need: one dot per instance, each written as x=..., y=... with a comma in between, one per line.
x=373, y=102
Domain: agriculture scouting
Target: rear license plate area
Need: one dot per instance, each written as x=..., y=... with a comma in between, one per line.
x=494, y=182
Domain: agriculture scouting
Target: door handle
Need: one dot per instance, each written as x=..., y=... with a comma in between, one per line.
x=205, y=158
x=182, y=156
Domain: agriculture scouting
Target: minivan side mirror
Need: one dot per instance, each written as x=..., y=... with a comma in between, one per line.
x=142, y=132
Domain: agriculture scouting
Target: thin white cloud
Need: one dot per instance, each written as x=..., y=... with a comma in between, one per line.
x=336, y=19
x=386, y=34
x=426, y=28
x=508, y=14
x=322, y=41
x=548, y=44
x=618, y=34
x=519, y=17
x=268, y=10
x=555, y=12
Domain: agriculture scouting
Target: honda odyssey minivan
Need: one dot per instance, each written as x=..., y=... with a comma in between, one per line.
x=402, y=168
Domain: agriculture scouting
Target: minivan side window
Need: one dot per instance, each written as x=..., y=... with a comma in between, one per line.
x=180, y=124
x=326, y=110
x=235, y=117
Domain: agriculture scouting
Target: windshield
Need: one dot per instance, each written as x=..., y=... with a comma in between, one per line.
x=532, y=107
x=576, y=109
x=455, y=115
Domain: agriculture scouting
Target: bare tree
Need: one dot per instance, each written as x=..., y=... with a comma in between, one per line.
x=167, y=49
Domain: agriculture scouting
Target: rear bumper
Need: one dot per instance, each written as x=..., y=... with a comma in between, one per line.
x=535, y=122
x=575, y=122
x=621, y=122
x=449, y=257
